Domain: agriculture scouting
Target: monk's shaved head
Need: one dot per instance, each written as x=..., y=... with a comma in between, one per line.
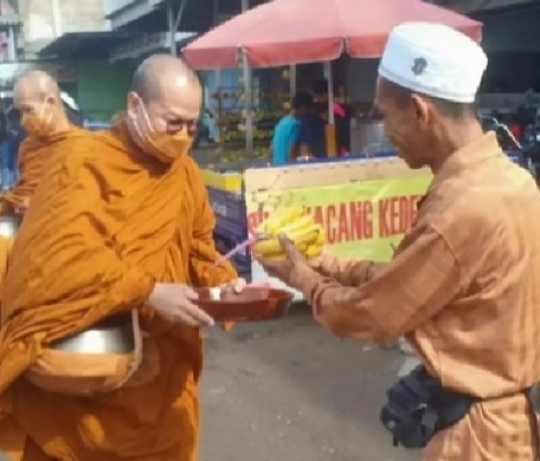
x=165, y=97
x=39, y=84
x=161, y=73
x=37, y=97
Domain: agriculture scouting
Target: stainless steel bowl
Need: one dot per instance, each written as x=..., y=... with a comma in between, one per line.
x=9, y=225
x=115, y=335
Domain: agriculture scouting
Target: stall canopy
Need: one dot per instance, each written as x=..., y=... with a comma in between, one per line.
x=285, y=32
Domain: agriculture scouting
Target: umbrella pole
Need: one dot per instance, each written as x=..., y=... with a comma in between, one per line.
x=219, y=113
x=173, y=22
x=247, y=91
x=331, y=147
x=292, y=80
x=249, y=102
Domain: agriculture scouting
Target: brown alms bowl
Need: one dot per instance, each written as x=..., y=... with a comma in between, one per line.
x=253, y=304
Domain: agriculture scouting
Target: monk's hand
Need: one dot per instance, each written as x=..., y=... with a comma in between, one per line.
x=234, y=286
x=290, y=270
x=23, y=207
x=176, y=304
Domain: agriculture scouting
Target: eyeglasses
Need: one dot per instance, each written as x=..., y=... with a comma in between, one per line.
x=191, y=126
x=173, y=126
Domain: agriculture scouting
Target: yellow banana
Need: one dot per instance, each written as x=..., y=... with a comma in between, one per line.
x=321, y=239
x=292, y=214
x=302, y=247
x=268, y=247
x=281, y=217
x=313, y=251
x=308, y=236
x=305, y=237
x=279, y=257
x=272, y=246
x=299, y=225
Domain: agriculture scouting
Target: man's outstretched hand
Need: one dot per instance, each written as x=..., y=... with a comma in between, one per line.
x=292, y=268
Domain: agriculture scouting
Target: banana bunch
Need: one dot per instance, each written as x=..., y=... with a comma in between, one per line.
x=301, y=228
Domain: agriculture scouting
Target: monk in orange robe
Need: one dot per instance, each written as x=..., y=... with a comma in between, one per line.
x=464, y=284
x=121, y=222
x=37, y=97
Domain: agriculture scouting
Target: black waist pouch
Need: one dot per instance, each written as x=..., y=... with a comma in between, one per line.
x=418, y=407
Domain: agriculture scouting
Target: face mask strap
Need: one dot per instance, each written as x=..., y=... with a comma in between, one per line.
x=146, y=117
x=135, y=120
x=42, y=113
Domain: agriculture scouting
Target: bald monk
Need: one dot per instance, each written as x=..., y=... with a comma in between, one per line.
x=37, y=97
x=120, y=222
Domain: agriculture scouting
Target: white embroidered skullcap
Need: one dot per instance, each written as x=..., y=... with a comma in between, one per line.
x=434, y=60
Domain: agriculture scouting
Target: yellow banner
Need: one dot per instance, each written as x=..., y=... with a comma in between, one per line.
x=363, y=220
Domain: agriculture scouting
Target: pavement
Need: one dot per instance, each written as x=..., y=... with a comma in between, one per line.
x=287, y=390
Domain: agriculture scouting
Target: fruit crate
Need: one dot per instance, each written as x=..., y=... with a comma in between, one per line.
x=230, y=112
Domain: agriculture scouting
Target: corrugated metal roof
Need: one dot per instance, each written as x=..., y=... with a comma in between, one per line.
x=85, y=44
x=129, y=11
x=147, y=44
x=9, y=20
x=114, y=7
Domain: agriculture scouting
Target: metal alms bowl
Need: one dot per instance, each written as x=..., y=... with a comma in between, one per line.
x=9, y=225
x=115, y=335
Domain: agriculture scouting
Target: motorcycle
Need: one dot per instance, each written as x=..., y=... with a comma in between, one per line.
x=520, y=153
x=506, y=138
x=531, y=149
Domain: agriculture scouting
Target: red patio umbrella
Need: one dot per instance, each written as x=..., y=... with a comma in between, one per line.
x=284, y=32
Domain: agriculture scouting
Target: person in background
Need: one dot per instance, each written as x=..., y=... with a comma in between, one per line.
x=342, y=117
x=6, y=159
x=16, y=135
x=48, y=132
x=286, y=141
x=313, y=132
x=464, y=284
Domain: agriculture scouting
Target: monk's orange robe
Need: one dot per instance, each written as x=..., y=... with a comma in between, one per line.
x=105, y=224
x=34, y=155
x=5, y=250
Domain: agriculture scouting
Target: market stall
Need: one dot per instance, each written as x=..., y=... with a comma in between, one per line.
x=281, y=33
x=364, y=204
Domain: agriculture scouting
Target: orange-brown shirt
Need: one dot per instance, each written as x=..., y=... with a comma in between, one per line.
x=464, y=288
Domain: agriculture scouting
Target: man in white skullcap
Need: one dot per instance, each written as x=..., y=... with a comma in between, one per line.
x=464, y=285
